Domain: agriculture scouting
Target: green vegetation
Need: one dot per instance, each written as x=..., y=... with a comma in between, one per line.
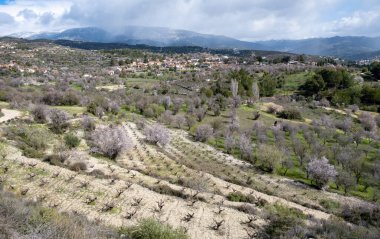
x=33, y=140
x=71, y=140
x=151, y=229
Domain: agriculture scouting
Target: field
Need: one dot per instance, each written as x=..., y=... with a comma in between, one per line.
x=212, y=153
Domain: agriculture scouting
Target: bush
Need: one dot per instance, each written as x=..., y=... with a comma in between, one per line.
x=291, y=114
x=88, y=124
x=27, y=220
x=40, y=114
x=281, y=220
x=330, y=205
x=78, y=166
x=71, y=140
x=59, y=120
x=151, y=229
x=239, y=197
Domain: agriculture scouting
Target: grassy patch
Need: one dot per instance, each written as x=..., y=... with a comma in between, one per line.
x=151, y=229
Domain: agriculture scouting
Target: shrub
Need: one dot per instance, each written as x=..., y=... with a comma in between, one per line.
x=151, y=229
x=291, y=114
x=239, y=197
x=78, y=166
x=40, y=114
x=281, y=220
x=110, y=141
x=329, y=204
x=88, y=124
x=71, y=140
x=27, y=220
x=31, y=140
x=59, y=120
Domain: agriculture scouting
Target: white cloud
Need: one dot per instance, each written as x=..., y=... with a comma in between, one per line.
x=243, y=19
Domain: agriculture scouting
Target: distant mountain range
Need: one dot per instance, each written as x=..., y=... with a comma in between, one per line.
x=344, y=47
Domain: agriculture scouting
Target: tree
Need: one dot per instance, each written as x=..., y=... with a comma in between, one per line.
x=255, y=91
x=190, y=121
x=229, y=142
x=59, y=120
x=180, y=120
x=110, y=141
x=269, y=157
x=177, y=104
x=320, y=171
x=157, y=134
x=267, y=85
x=166, y=101
x=245, y=146
x=313, y=85
x=203, y=132
x=345, y=180
x=200, y=113
x=375, y=70
x=367, y=121
x=356, y=166
x=234, y=88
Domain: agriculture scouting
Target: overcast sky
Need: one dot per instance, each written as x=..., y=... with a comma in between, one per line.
x=243, y=19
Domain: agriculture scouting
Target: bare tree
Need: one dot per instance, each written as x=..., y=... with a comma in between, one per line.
x=190, y=121
x=167, y=102
x=157, y=134
x=180, y=120
x=320, y=171
x=255, y=91
x=229, y=142
x=200, y=113
x=110, y=141
x=367, y=121
x=203, y=132
x=177, y=104
x=345, y=125
x=245, y=146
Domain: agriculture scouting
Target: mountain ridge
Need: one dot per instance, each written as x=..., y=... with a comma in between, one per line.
x=347, y=47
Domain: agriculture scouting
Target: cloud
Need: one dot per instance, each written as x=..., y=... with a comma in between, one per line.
x=6, y=19
x=27, y=14
x=243, y=19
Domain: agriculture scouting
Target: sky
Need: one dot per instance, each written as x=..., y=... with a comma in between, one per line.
x=250, y=20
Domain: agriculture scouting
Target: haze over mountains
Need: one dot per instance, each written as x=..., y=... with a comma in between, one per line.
x=345, y=47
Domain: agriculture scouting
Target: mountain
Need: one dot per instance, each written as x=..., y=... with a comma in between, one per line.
x=345, y=47
x=349, y=47
x=154, y=36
